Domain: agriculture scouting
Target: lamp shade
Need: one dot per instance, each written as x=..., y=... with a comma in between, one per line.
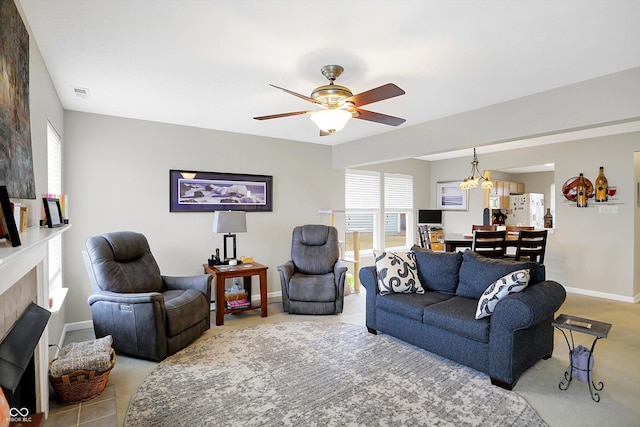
x=331, y=120
x=229, y=222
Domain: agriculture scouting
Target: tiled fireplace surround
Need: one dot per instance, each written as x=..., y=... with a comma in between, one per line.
x=24, y=279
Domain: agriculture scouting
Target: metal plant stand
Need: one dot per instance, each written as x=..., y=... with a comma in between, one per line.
x=586, y=326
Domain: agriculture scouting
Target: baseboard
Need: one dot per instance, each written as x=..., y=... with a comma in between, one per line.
x=75, y=326
x=603, y=295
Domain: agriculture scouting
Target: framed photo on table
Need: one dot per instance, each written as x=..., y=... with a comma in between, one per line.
x=193, y=191
x=449, y=196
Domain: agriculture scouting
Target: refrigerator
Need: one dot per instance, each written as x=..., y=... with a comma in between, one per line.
x=526, y=209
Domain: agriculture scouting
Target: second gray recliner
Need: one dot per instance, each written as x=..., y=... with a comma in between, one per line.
x=313, y=279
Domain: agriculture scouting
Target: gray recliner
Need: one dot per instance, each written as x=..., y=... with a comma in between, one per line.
x=313, y=279
x=148, y=315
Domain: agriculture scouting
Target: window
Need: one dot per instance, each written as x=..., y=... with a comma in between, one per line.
x=384, y=219
x=54, y=186
x=362, y=208
x=398, y=209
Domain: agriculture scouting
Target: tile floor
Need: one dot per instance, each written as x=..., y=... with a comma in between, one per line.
x=97, y=412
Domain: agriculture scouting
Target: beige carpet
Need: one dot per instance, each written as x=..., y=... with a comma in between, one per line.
x=308, y=373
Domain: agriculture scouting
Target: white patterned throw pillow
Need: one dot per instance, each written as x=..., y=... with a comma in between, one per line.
x=397, y=273
x=508, y=284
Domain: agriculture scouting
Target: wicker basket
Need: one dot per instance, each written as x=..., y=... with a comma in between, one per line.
x=232, y=297
x=81, y=385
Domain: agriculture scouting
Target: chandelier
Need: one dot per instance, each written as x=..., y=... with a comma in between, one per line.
x=474, y=178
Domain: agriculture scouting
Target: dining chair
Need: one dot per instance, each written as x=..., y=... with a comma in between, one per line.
x=423, y=235
x=516, y=228
x=513, y=230
x=483, y=227
x=490, y=244
x=531, y=246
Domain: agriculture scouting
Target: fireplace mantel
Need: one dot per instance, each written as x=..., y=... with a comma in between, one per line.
x=16, y=263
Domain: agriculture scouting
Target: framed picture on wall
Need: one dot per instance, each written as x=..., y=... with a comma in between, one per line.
x=449, y=196
x=194, y=191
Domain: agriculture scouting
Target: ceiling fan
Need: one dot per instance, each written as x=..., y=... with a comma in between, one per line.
x=338, y=104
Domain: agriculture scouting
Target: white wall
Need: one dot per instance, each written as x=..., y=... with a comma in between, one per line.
x=589, y=252
x=117, y=177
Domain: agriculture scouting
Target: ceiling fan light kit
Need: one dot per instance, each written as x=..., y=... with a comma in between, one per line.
x=332, y=120
x=339, y=104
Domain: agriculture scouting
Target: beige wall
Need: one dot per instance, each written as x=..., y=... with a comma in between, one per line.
x=117, y=176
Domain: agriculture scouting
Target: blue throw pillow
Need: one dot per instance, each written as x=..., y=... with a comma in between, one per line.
x=478, y=272
x=438, y=271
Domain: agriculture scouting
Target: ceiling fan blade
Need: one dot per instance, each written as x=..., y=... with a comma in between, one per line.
x=378, y=94
x=277, y=116
x=306, y=98
x=378, y=118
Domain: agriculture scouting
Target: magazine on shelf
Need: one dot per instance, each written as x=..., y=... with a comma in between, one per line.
x=238, y=303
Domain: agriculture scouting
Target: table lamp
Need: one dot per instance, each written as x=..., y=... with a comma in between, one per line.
x=230, y=222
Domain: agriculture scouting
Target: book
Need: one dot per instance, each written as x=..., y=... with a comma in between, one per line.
x=238, y=303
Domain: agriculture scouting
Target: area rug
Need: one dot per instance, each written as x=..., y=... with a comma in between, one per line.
x=318, y=374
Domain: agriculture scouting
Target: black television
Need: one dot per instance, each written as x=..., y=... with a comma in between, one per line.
x=429, y=216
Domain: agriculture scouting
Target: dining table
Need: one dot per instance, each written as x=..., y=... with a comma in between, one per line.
x=453, y=241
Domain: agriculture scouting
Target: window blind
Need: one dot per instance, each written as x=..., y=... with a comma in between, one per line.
x=398, y=192
x=362, y=190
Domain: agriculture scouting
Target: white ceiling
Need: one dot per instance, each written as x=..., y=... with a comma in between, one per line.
x=209, y=63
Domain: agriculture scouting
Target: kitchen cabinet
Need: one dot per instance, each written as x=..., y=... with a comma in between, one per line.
x=501, y=191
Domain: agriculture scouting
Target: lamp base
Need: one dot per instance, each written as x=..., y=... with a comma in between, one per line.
x=226, y=252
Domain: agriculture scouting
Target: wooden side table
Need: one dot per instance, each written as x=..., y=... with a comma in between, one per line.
x=222, y=272
x=585, y=326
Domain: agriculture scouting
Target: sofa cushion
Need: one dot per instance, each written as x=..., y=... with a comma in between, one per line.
x=313, y=287
x=438, y=271
x=508, y=284
x=397, y=273
x=184, y=309
x=458, y=315
x=409, y=305
x=478, y=272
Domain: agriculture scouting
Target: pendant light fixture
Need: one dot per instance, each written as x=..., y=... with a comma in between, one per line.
x=474, y=178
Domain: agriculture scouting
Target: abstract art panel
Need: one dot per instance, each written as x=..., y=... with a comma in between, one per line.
x=16, y=159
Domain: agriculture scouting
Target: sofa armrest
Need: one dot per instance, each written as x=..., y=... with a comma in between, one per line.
x=339, y=273
x=286, y=270
x=369, y=279
x=529, y=307
x=136, y=321
x=118, y=298
x=200, y=283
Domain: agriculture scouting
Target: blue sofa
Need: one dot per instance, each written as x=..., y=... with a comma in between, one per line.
x=443, y=320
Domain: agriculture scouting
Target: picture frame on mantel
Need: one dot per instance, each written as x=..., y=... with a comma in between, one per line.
x=196, y=191
x=53, y=212
x=8, y=227
x=450, y=197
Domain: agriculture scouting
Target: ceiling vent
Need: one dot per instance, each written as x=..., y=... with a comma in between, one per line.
x=81, y=92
